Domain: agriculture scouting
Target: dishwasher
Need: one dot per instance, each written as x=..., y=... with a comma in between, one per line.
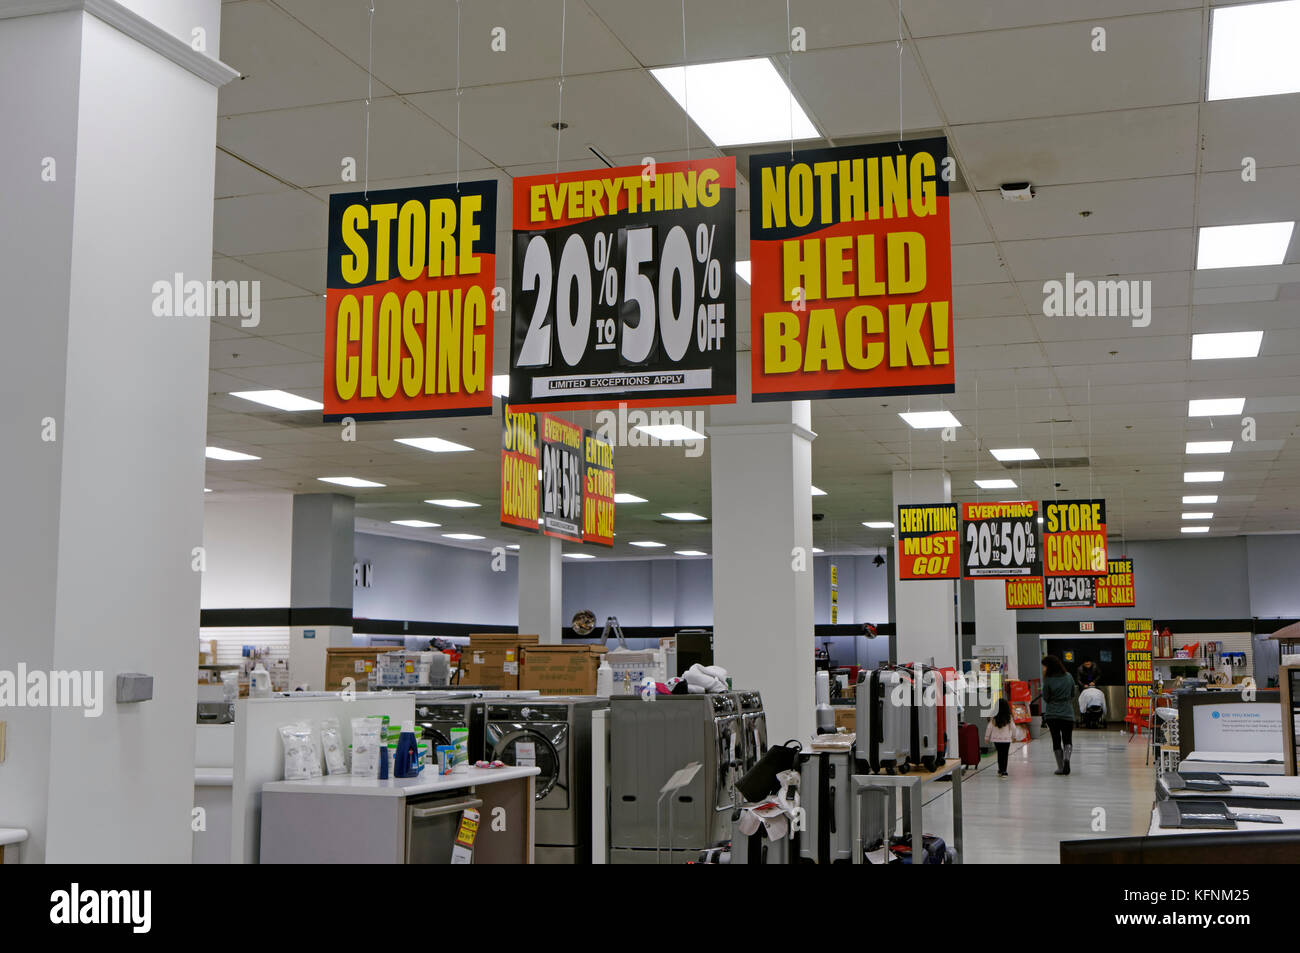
x=431, y=827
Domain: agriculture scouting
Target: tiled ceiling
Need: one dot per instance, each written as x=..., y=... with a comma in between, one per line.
x=1127, y=159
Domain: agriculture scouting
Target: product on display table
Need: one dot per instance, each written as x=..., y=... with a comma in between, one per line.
x=883, y=725
x=1207, y=815
x=1255, y=792
x=1235, y=762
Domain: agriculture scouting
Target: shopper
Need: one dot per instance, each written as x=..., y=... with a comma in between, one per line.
x=1058, y=710
x=1087, y=674
x=1001, y=730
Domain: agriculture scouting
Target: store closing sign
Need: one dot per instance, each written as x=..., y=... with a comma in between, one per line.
x=562, y=483
x=598, y=489
x=1137, y=665
x=851, y=272
x=408, y=320
x=1074, y=538
x=520, y=456
x=624, y=286
x=1070, y=592
x=1117, y=588
x=1000, y=540
x=928, y=541
x=1025, y=593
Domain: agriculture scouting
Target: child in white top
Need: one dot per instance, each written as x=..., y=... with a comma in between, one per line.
x=1001, y=730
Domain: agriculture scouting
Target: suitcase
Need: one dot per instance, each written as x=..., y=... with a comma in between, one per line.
x=882, y=722
x=927, y=717
x=968, y=744
x=826, y=796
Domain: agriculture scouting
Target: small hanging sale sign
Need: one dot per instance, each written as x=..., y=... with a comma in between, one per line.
x=1025, y=593
x=928, y=542
x=1138, y=635
x=1116, y=588
x=562, y=472
x=1000, y=540
x=520, y=461
x=1070, y=592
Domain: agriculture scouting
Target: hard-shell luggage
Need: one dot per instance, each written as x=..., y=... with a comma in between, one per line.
x=968, y=745
x=883, y=712
x=926, y=717
x=826, y=796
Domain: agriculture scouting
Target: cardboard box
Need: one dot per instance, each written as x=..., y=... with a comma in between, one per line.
x=846, y=717
x=560, y=669
x=492, y=659
x=351, y=663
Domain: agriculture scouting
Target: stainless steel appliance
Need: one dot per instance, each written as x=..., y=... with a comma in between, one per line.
x=436, y=714
x=753, y=723
x=431, y=827
x=649, y=741
x=554, y=733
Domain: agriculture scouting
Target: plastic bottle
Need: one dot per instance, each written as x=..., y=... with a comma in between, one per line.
x=259, y=681
x=406, y=760
x=604, y=679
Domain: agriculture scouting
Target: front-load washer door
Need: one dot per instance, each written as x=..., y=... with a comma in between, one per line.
x=550, y=751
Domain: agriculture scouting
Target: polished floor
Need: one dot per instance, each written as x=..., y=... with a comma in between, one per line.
x=1023, y=819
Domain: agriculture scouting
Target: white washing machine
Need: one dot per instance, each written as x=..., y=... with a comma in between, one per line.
x=552, y=733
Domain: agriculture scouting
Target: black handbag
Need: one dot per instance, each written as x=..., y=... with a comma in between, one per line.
x=760, y=780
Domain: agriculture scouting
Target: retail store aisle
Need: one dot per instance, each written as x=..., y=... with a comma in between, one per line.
x=1023, y=819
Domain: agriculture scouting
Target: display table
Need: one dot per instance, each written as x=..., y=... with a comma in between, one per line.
x=1235, y=762
x=1290, y=822
x=10, y=839
x=342, y=819
x=912, y=784
x=1277, y=794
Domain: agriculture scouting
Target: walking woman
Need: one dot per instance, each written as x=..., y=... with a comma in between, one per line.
x=1058, y=710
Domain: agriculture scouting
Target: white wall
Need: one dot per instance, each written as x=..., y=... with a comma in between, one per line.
x=248, y=539
x=428, y=582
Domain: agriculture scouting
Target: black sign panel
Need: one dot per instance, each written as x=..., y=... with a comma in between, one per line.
x=1000, y=540
x=1070, y=592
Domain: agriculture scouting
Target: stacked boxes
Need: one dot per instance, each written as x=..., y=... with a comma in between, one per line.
x=560, y=669
x=492, y=659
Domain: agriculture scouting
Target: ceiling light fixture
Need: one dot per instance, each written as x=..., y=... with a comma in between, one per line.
x=1198, y=516
x=1252, y=50
x=628, y=498
x=1209, y=446
x=737, y=102
x=465, y=536
x=878, y=524
x=742, y=271
x=669, y=433
x=1015, y=453
x=1194, y=500
x=349, y=481
x=1216, y=407
x=1225, y=344
x=1196, y=529
x=647, y=544
x=218, y=453
x=1203, y=476
x=929, y=419
x=500, y=385
x=279, y=399
x=1243, y=246
x=817, y=492
x=453, y=504
x=690, y=552
x=685, y=517
x=996, y=484
x=415, y=524
x=579, y=556
x=433, y=444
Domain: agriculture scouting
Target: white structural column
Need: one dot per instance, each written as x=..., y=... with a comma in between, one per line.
x=540, y=567
x=995, y=624
x=925, y=611
x=762, y=556
x=107, y=163
x=320, y=597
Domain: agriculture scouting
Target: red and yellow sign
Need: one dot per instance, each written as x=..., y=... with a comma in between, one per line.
x=598, y=491
x=928, y=542
x=1137, y=665
x=408, y=312
x=1025, y=593
x=520, y=460
x=1074, y=538
x=851, y=272
x=562, y=478
x=1117, y=588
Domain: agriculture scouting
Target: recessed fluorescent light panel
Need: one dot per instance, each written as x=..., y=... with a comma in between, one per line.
x=500, y=385
x=465, y=536
x=647, y=544
x=416, y=524
x=877, y=524
x=206, y=490
x=690, y=552
x=1216, y=407
x=1209, y=446
x=1196, y=529
x=1252, y=50
x=668, y=433
x=1199, y=500
x=349, y=481
x=1222, y=344
x=996, y=484
x=433, y=444
x=579, y=556
x=816, y=550
x=280, y=400
x=452, y=504
x=930, y=419
x=1243, y=246
x=685, y=517
x=628, y=498
x=1203, y=476
x=1015, y=453
x=742, y=271
x=217, y=453
x=1198, y=516
x=737, y=102
x=817, y=492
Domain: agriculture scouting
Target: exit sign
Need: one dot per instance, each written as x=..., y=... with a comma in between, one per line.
x=1085, y=627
